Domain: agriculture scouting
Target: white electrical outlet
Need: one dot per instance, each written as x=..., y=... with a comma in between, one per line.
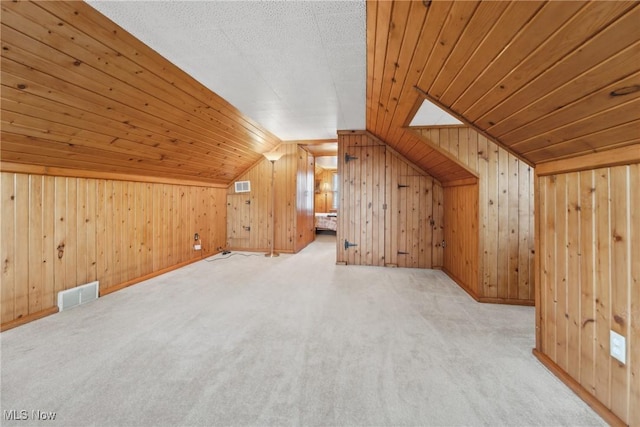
x=197, y=247
x=618, y=347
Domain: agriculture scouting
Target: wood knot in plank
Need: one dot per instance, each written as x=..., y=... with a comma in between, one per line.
x=587, y=321
x=60, y=249
x=618, y=319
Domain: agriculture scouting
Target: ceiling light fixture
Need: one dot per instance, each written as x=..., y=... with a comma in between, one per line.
x=273, y=156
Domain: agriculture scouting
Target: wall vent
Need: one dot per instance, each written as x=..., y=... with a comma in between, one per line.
x=243, y=186
x=78, y=295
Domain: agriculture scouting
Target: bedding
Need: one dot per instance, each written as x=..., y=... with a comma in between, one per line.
x=326, y=221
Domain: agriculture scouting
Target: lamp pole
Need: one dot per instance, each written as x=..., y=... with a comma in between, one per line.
x=273, y=157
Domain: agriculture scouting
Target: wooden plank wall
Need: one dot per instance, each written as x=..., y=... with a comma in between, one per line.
x=413, y=215
x=461, y=235
x=361, y=214
x=589, y=252
x=506, y=208
x=61, y=232
x=286, y=200
x=405, y=234
x=305, y=221
x=324, y=201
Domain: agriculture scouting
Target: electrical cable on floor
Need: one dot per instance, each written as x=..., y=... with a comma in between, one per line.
x=235, y=253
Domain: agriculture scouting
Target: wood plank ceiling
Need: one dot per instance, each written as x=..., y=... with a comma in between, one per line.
x=79, y=92
x=547, y=80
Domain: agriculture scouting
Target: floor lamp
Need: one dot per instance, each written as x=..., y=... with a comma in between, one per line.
x=273, y=157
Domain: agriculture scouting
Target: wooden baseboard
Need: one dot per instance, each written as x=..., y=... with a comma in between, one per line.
x=510, y=301
x=611, y=418
x=460, y=283
x=28, y=318
x=475, y=296
x=128, y=283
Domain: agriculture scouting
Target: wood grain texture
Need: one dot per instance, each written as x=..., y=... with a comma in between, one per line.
x=505, y=212
x=461, y=260
x=589, y=279
x=304, y=206
x=126, y=110
x=388, y=206
x=293, y=199
x=538, y=78
x=61, y=232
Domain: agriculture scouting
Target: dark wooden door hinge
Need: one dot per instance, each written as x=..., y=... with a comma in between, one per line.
x=348, y=244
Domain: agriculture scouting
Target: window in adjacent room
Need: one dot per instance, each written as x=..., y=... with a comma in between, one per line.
x=334, y=185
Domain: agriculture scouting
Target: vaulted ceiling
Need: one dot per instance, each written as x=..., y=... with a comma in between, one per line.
x=79, y=92
x=547, y=80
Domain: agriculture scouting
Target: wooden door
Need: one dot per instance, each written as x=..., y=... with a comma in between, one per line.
x=238, y=221
x=362, y=239
x=412, y=208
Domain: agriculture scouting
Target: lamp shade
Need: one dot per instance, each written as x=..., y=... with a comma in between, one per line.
x=273, y=156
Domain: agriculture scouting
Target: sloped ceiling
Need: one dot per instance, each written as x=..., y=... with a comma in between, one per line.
x=547, y=80
x=296, y=67
x=79, y=92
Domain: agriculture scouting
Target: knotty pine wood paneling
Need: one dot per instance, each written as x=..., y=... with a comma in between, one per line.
x=505, y=209
x=80, y=92
x=388, y=207
x=461, y=235
x=305, y=218
x=61, y=232
x=288, y=195
x=589, y=246
x=361, y=213
x=548, y=80
x=413, y=215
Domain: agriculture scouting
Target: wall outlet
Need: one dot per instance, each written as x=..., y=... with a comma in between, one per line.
x=618, y=347
x=197, y=247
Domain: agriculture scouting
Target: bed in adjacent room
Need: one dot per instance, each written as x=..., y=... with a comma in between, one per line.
x=326, y=221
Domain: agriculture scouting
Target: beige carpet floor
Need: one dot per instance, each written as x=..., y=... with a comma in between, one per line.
x=294, y=340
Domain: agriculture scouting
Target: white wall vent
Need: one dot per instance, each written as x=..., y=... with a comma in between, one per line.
x=243, y=186
x=78, y=295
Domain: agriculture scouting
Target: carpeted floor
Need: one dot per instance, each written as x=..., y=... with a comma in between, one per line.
x=294, y=340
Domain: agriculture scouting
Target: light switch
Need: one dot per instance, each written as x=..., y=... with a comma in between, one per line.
x=618, y=346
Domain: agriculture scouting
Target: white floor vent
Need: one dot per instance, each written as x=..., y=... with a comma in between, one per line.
x=78, y=295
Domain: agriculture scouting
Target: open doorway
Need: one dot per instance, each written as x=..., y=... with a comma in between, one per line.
x=326, y=191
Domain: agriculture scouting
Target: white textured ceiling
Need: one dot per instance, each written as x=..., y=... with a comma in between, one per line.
x=296, y=67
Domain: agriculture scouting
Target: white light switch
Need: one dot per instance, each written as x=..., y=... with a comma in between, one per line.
x=618, y=346
x=197, y=247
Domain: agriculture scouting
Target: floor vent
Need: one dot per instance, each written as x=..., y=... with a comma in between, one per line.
x=78, y=295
